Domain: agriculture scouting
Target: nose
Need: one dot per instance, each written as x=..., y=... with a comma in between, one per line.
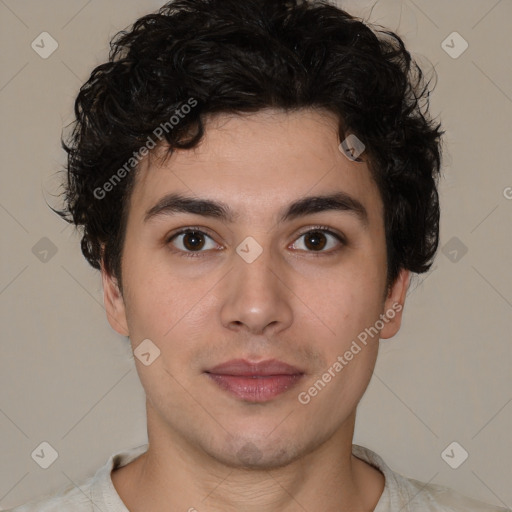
x=256, y=296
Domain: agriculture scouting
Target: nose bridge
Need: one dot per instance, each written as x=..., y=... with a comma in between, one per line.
x=256, y=296
x=256, y=263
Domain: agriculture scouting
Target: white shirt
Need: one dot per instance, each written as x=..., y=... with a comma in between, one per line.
x=98, y=494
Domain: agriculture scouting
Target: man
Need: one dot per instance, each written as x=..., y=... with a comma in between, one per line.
x=256, y=182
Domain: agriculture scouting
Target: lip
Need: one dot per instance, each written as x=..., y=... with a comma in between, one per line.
x=255, y=382
x=242, y=367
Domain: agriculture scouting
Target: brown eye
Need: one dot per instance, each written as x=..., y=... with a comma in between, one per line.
x=316, y=240
x=192, y=240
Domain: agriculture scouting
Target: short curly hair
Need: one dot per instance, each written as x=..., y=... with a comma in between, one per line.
x=237, y=57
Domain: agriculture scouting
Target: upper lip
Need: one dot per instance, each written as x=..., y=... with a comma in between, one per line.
x=243, y=368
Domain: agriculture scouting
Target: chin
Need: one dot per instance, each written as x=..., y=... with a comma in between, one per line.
x=258, y=454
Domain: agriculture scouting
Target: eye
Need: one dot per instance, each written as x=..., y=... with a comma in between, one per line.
x=317, y=239
x=192, y=241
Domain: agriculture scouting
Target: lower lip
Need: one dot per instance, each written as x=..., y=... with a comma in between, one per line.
x=255, y=389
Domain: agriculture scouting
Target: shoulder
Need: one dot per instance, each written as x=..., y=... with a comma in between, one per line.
x=70, y=498
x=95, y=493
x=410, y=495
x=439, y=498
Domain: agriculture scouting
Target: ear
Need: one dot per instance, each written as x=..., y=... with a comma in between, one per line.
x=394, y=304
x=114, y=303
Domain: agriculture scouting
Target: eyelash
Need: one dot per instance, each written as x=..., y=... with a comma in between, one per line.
x=196, y=254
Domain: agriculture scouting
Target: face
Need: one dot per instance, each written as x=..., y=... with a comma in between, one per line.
x=256, y=281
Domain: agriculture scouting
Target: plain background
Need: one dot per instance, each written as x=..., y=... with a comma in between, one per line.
x=68, y=379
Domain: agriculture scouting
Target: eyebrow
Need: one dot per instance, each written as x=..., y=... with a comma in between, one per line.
x=177, y=203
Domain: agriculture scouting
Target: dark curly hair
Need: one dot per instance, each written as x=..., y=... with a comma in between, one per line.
x=234, y=56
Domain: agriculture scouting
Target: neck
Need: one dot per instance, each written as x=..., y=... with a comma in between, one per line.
x=175, y=475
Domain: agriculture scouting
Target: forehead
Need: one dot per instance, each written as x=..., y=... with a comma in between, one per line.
x=258, y=163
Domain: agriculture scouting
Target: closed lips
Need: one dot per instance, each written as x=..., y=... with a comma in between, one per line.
x=244, y=368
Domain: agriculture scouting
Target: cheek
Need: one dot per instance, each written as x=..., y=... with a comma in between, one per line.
x=349, y=304
x=169, y=308
x=154, y=299
x=350, y=307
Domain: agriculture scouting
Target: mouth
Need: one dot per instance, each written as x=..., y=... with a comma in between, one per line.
x=255, y=382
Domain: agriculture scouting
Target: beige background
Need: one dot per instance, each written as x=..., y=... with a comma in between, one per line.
x=66, y=378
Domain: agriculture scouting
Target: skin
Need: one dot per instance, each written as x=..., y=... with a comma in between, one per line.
x=292, y=303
